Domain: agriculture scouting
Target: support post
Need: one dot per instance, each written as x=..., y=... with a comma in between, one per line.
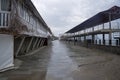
x=18, y=50
x=119, y=42
x=93, y=38
x=38, y=43
x=28, y=48
x=42, y=43
x=85, y=41
x=85, y=38
x=35, y=43
x=73, y=40
x=103, y=39
x=103, y=26
x=110, y=39
x=110, y=33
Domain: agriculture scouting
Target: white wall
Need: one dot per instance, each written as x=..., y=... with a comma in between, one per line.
x=6, y=51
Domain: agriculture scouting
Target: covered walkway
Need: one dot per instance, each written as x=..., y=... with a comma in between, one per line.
x=61, y=61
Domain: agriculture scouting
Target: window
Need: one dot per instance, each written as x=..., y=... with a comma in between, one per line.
x=5, y=5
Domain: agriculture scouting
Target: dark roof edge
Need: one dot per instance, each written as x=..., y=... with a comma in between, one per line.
x=100, y=13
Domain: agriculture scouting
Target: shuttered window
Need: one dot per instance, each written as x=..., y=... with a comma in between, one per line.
x=5, y=5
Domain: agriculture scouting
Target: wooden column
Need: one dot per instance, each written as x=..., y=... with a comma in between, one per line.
x=110, y=38
x=28, y=48
x=93, y=38
x=103, y=39
x=119, y=39
x=74, y=39
x=103, y=26
x=35, y=43
x=110, y=33
x=42, y=42
x=20, y=46
x=39, y=43
x=84, y=38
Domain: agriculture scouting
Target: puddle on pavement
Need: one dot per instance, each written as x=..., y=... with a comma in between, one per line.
x=62, y=62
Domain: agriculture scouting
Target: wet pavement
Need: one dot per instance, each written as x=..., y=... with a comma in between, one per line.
x=62, y=61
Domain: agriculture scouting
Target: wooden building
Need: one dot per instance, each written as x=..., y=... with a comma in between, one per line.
x=22, y=30
x=100, y=31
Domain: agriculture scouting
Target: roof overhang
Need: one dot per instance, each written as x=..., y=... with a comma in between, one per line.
x=98, y=19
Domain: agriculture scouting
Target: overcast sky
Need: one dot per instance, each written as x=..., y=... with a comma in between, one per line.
x=62, y=15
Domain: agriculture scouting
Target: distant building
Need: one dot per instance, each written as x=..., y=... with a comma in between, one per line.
x=22, y=30
x=101, y=30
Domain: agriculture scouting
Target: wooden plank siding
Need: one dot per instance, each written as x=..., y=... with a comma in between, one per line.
x=22, y=18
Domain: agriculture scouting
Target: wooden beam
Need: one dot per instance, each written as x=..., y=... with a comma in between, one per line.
x=43, y=42
x=18, y=50
x=28, y=48
x=103, y=39
x=39, y=42
x=35, y=43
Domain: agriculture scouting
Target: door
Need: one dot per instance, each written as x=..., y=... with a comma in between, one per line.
x=6, y=51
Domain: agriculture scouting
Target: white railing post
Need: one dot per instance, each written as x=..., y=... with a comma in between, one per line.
x=5, y=19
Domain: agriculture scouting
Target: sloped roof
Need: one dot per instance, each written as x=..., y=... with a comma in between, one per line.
x=98, y=19
x=37, y=14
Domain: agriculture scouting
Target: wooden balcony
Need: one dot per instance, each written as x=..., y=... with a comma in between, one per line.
x=4, y=19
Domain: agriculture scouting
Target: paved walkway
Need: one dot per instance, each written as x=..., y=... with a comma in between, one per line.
x=61, y=61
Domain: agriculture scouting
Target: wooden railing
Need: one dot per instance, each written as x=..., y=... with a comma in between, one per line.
x=33, y=30
x=4, y=19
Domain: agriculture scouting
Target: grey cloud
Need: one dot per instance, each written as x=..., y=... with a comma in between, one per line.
x=62, y=15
